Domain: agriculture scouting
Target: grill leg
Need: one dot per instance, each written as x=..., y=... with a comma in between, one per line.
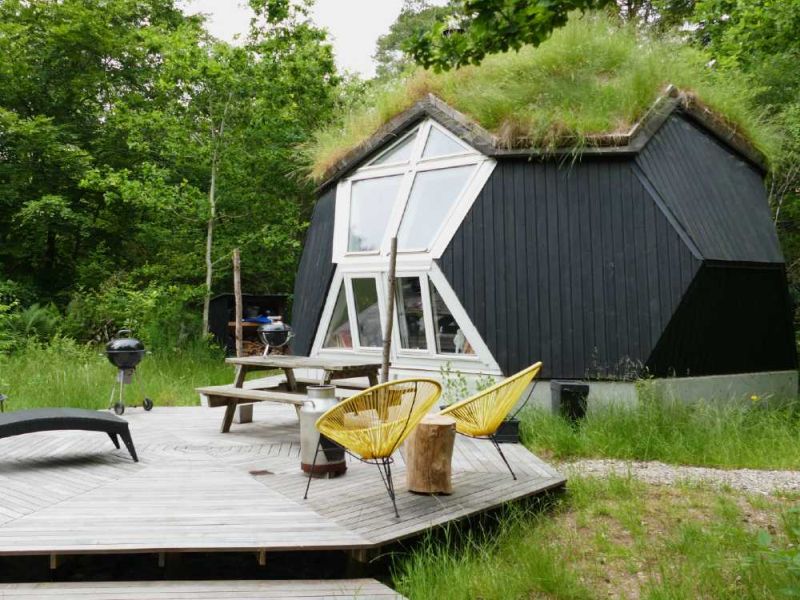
x=313, y=464
x=503, y=456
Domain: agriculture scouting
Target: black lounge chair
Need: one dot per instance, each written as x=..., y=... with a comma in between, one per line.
x=60, y=419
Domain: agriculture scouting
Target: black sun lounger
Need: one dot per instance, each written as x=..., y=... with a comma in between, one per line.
x=60, y=419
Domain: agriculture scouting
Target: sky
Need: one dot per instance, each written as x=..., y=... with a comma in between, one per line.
x=354, y=25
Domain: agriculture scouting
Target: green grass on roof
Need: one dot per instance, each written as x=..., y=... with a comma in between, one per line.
x=591, y=77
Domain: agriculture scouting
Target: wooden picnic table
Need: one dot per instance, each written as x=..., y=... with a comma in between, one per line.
x=231, y=396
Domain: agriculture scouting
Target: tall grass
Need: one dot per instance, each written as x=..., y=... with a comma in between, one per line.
x=614, y=537
x=63, y=373
x=594, y=76
x=707, y=434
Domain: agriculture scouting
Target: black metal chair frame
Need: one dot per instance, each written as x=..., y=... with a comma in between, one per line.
x=384, y=464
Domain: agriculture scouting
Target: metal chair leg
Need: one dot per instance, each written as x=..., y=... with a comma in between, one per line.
x=503, y=456
x=386, y=465
x=313, y=465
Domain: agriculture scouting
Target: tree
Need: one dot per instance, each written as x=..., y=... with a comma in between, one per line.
x=474, y=28
x=390, y=56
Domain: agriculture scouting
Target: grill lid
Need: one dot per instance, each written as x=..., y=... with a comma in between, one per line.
x=124, y=351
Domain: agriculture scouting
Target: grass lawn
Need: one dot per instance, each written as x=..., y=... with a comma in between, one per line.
x=620, y=538
x=755, y=436
x=66, y=374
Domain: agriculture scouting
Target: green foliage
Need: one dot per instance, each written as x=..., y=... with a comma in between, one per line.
x=607, y=537
x=112, y=116
x=703, y=434
x=65, y=373
x=591, y=77
x=475, y=28
x=785, y=558
x=390, y=55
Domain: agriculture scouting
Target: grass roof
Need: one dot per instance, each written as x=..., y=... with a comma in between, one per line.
x=591, y=78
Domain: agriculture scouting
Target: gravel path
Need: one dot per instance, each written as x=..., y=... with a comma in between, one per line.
x=747, y=480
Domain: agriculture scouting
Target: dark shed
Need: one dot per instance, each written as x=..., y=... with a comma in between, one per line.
x=657, y=254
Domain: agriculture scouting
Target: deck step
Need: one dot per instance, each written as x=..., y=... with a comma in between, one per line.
x=174, y=590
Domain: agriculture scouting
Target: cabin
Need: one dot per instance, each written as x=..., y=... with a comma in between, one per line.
x=646, y=254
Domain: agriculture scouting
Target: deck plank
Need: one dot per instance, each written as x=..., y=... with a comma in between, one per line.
x=197, y=490
x=362, y=589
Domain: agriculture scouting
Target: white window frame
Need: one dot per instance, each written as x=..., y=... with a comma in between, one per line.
x=447, y=228
x=482, y=359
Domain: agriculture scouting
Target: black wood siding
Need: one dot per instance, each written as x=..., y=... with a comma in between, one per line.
x=718, y=198
x=733, y=319
x=314, y=274
x=571, y=264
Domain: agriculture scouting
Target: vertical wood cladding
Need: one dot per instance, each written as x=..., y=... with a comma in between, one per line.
x=718, y=198
x=314, y=274
x=571, y=264
x=733, y=319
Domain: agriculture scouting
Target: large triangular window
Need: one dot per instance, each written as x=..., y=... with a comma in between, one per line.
x=410, y=190
x=399, y=153
x=371, y=204
x=339, y=334
x=439, y=144
x=432, y=198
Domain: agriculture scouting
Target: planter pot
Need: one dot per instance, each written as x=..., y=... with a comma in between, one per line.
x=508, y=432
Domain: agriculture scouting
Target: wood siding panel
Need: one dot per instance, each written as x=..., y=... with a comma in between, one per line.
x=580, y=268
x=716, y=197
x=314, y=274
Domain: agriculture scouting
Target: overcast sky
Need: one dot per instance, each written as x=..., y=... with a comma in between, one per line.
x=354, y=25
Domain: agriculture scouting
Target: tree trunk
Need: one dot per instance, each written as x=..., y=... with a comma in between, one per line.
x=428, y=455
x=216, y=145
x=212, y=217
x=237, y=294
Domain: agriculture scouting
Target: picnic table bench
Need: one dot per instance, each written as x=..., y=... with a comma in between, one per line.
x=291, y=391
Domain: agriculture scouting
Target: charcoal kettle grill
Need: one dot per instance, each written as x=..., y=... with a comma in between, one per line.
x=125, y=353
x=274, y=335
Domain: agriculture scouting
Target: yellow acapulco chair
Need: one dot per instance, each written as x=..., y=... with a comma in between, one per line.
x=371, y=425
x=480, y=416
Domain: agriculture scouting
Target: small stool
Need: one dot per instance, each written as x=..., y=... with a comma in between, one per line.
x=428, y=455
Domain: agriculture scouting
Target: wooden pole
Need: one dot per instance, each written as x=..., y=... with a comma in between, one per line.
x=387, y=336
x=237, y=293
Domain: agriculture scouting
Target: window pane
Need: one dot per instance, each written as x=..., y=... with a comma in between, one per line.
x=432, y=196
x=450, y=338
x=371, y=202
x=399, y=154
x=410, y=314
x=368, y=314
x=439, y=144
x=339, y=330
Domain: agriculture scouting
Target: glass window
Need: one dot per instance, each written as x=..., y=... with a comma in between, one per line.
x=450, y=338
x=371, y=202
x=399, y=154
x=339, y=335
x=439, y=144
x=432, y=196
x=410, y=316
x=368, y=314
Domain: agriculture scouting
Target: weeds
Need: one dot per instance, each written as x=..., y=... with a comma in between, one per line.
x=591, y=77
x=64, y=373
x=612, y=537
x=702, y=434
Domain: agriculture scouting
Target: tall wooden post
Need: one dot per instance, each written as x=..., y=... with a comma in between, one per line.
x=387, y=335
x=237, y=293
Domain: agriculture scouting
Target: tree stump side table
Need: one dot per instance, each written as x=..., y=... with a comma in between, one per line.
x=428, y=455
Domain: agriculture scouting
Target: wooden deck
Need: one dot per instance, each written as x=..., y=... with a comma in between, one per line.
x=196, y=490
x=360, y=589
